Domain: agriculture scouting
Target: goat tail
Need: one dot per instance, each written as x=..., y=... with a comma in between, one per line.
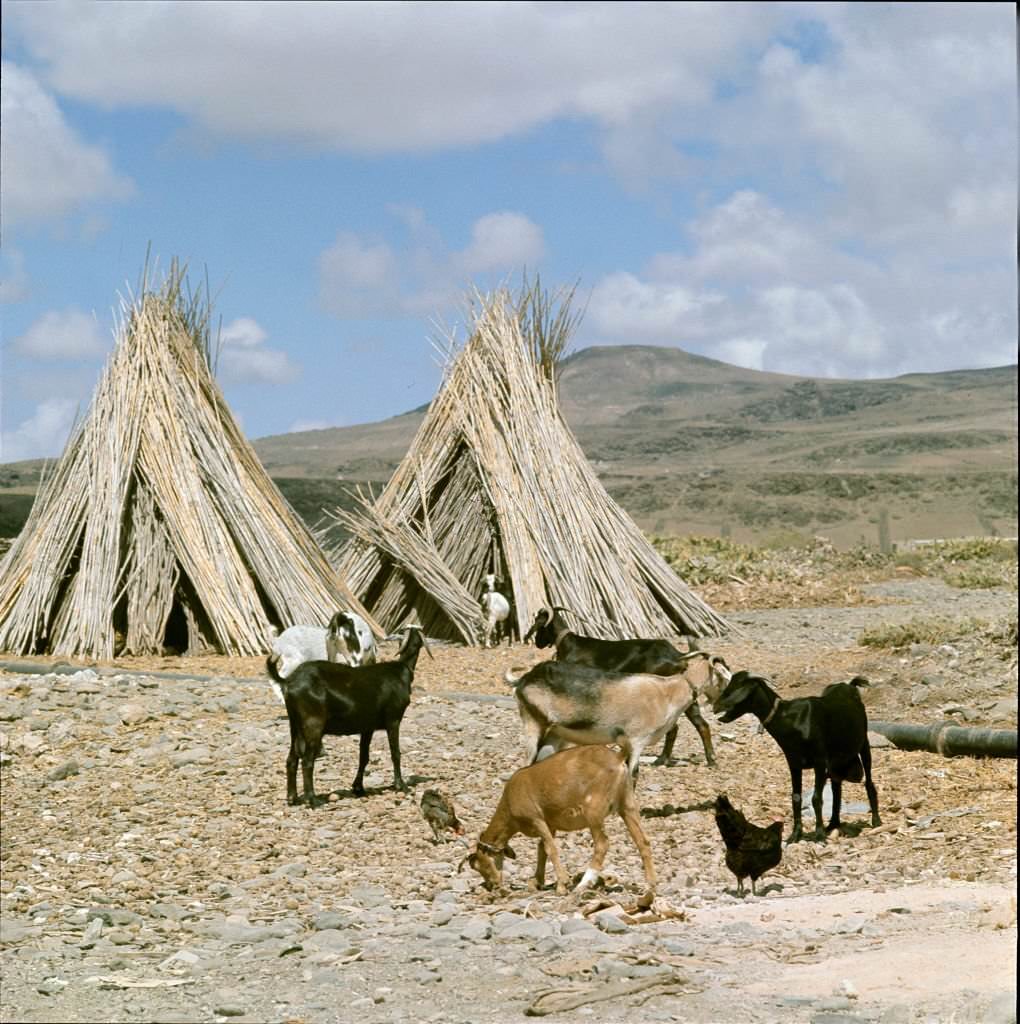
x=512, y=680
x=274, y=673
x=859, y=681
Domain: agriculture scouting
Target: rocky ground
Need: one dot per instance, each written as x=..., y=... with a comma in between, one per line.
x=151, y=870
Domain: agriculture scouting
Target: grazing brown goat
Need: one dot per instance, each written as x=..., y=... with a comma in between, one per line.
x=572, y=790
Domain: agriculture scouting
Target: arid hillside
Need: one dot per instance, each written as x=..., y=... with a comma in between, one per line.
x=692, y=445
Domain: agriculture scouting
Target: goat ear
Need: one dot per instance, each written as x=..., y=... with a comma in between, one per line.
x=508, y=852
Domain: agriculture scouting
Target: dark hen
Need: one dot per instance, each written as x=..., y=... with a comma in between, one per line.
x=750, y=849
x=437, y=810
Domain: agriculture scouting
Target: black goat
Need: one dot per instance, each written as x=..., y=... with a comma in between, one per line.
x=649, y=657
x=827, y=733
x=323, y=699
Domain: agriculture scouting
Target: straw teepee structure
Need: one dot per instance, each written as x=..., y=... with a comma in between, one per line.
x=159, y=525
x=495, y=482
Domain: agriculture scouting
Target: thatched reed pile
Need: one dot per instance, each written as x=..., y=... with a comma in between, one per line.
x=159, y=526
x=495, y=482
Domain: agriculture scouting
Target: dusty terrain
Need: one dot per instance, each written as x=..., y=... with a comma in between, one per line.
x=152, y=871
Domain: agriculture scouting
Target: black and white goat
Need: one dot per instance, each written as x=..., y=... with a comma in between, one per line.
x=347, y=640
x=655, y=657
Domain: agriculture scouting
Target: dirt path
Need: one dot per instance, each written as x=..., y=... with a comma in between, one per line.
x=152, y=871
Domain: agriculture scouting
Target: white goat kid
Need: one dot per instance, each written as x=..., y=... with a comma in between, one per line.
x=495, y=611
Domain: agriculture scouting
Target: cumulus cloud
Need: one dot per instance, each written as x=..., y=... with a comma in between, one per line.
x=244, y=357
x=757, y=288
x=43, y=434
x=48, y=171
x=378, y=77
x=422, y=276
x=499, y=241
x=67, y=334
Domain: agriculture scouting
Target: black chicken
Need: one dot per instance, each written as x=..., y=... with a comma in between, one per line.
x=437, y=810
x=750, y=849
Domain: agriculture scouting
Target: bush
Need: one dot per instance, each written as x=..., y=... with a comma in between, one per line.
x=921, y=631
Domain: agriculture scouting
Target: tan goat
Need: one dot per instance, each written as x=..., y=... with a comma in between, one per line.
x=593, y=703
x=572, y=790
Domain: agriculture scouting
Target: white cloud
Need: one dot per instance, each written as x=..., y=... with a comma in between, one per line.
x=635, y=311
x=48, y=171
x=762, y=290
x=70, y=334
x=244, y=332
x=43, y=434
x=357, y=277
x=378, y=77
x=242, y=355
x=300, y=426
x=500, y=241
x=422, y=276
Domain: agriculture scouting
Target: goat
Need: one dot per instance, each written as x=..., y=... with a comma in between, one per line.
x=827, y=733
x=340, y=700
x=595, y=703
x=495, y=612
x=657, y=657
x=296, y=645
x=572, y=790
x=349, y=640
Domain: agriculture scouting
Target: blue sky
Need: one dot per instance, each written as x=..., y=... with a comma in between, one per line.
x=822, y=189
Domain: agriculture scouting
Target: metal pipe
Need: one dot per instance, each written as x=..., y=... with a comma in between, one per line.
x=949, y=739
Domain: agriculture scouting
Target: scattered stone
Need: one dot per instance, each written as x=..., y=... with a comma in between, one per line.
x=191, y=756
x=133, y=714
x=610, y=923
x=330, y=920
x=64, y=771
x=51, y=986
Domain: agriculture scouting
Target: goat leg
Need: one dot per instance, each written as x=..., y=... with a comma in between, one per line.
x=869, y=786
x=292, y=761
x=796, y=797
x=393, y=735
x=816, y=802
x=696, y=719
x=667, y=747
x=540, y=857
x=553, y=853
x=307, y=771
x=598, y=857
x=632, y=819
x=358, y=786
x=837, y=802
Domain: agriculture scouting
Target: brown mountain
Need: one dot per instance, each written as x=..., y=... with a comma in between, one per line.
x=689, y=444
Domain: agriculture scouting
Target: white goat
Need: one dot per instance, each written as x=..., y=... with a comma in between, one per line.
x=347, y=640
x=495, y=611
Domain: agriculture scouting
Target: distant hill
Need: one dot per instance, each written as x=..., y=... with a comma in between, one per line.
x=690, y=444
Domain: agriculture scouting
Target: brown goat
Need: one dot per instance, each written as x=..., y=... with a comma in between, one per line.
x=569, y=791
